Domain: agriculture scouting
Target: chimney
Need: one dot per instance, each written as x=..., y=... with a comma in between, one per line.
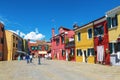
x=53, y=32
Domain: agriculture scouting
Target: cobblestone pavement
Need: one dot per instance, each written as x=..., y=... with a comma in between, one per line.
x=57, y=70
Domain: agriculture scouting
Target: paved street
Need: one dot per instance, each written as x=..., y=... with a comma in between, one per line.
x=57, y=70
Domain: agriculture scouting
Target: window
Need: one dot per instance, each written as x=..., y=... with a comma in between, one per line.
x=33, y=48
x=91, y=51
x=63, y=52
x=46, y=47
x=113, y=47
x=98, y=31
x=112, y=22
x=72, y=52
x=57, y=41
x=2, y=28
x=13, y=44
x=79, y=36
x=79, y=52
x=62, y=39
x=89, y=33
x=1, y=41
x=0, y=54
x=36, y=47
x=40, y=47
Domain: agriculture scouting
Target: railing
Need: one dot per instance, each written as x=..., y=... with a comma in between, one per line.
x=70, y=44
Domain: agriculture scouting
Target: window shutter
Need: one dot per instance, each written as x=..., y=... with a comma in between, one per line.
x=110, y=48
x=92, y=50
x=108, y=22
x=116, y=19
x=77, y=52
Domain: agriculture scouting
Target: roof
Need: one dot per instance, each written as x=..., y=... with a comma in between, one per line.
x=89, y=23
x=64, y=28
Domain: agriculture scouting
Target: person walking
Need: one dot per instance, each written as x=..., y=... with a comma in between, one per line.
x=27, y=58
x=39, y=60
x=31, y=58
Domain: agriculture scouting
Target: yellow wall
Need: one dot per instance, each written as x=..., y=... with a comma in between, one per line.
x=8, y=45
x=115, y=32
x=84, y=43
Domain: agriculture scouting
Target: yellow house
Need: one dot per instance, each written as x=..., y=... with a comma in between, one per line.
x=113, y=20
x=84, y=45
x=10, y=45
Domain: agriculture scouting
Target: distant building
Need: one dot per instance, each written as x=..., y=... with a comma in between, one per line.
x=12, y=46
x=40, y=47
x=58, y=43
x=1, y=41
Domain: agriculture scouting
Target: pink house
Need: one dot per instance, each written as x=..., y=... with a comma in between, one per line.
x=59, y=41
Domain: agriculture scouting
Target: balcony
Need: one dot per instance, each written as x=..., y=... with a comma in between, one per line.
x=70, y=44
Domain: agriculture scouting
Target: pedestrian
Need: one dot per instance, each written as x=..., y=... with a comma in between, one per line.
x=31, y=58
x=39, y=59
x=19, y=58
x=27, y=58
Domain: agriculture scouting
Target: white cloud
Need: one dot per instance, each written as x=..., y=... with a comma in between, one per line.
x=31, y=35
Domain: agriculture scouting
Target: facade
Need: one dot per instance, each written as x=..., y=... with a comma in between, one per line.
x=1, y=41
x=84, y=43
x=101, y=41
x=40, y=47
x=25, y=45
x=12, y=45
x=113, y=20
x=58, y=42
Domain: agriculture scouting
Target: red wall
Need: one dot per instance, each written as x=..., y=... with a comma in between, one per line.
x=104, y=42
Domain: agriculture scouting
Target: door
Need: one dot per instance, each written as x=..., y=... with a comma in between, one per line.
x=84, y=56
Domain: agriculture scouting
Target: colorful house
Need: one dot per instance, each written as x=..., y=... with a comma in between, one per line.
x=113, y=20
x=58, y=43
x=101, y=41
x=12, y=45
x=1, y=41
x=84, y=44
x=39, y=47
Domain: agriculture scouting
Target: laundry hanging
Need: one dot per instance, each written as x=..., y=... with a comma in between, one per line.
x=100, y=53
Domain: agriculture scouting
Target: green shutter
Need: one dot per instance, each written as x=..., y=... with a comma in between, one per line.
x=109, y=22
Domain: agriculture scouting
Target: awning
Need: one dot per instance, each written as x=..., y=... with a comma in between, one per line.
x=20, y=52
x=42, y=52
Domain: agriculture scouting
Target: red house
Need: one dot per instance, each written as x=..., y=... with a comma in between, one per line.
x=58, y=43
x=101, y=41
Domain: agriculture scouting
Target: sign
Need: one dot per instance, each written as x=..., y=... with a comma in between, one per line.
x=42, y=52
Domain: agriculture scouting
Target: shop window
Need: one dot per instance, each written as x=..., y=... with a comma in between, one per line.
x=112, y=22
x=79, y=36
x=79, y=52
x=98, y=31
x=89, y=33
x=0, y=54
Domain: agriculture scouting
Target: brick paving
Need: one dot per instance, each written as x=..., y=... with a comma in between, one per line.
x=57, y=70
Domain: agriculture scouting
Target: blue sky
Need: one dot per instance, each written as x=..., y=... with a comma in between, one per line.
x=35, y=18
